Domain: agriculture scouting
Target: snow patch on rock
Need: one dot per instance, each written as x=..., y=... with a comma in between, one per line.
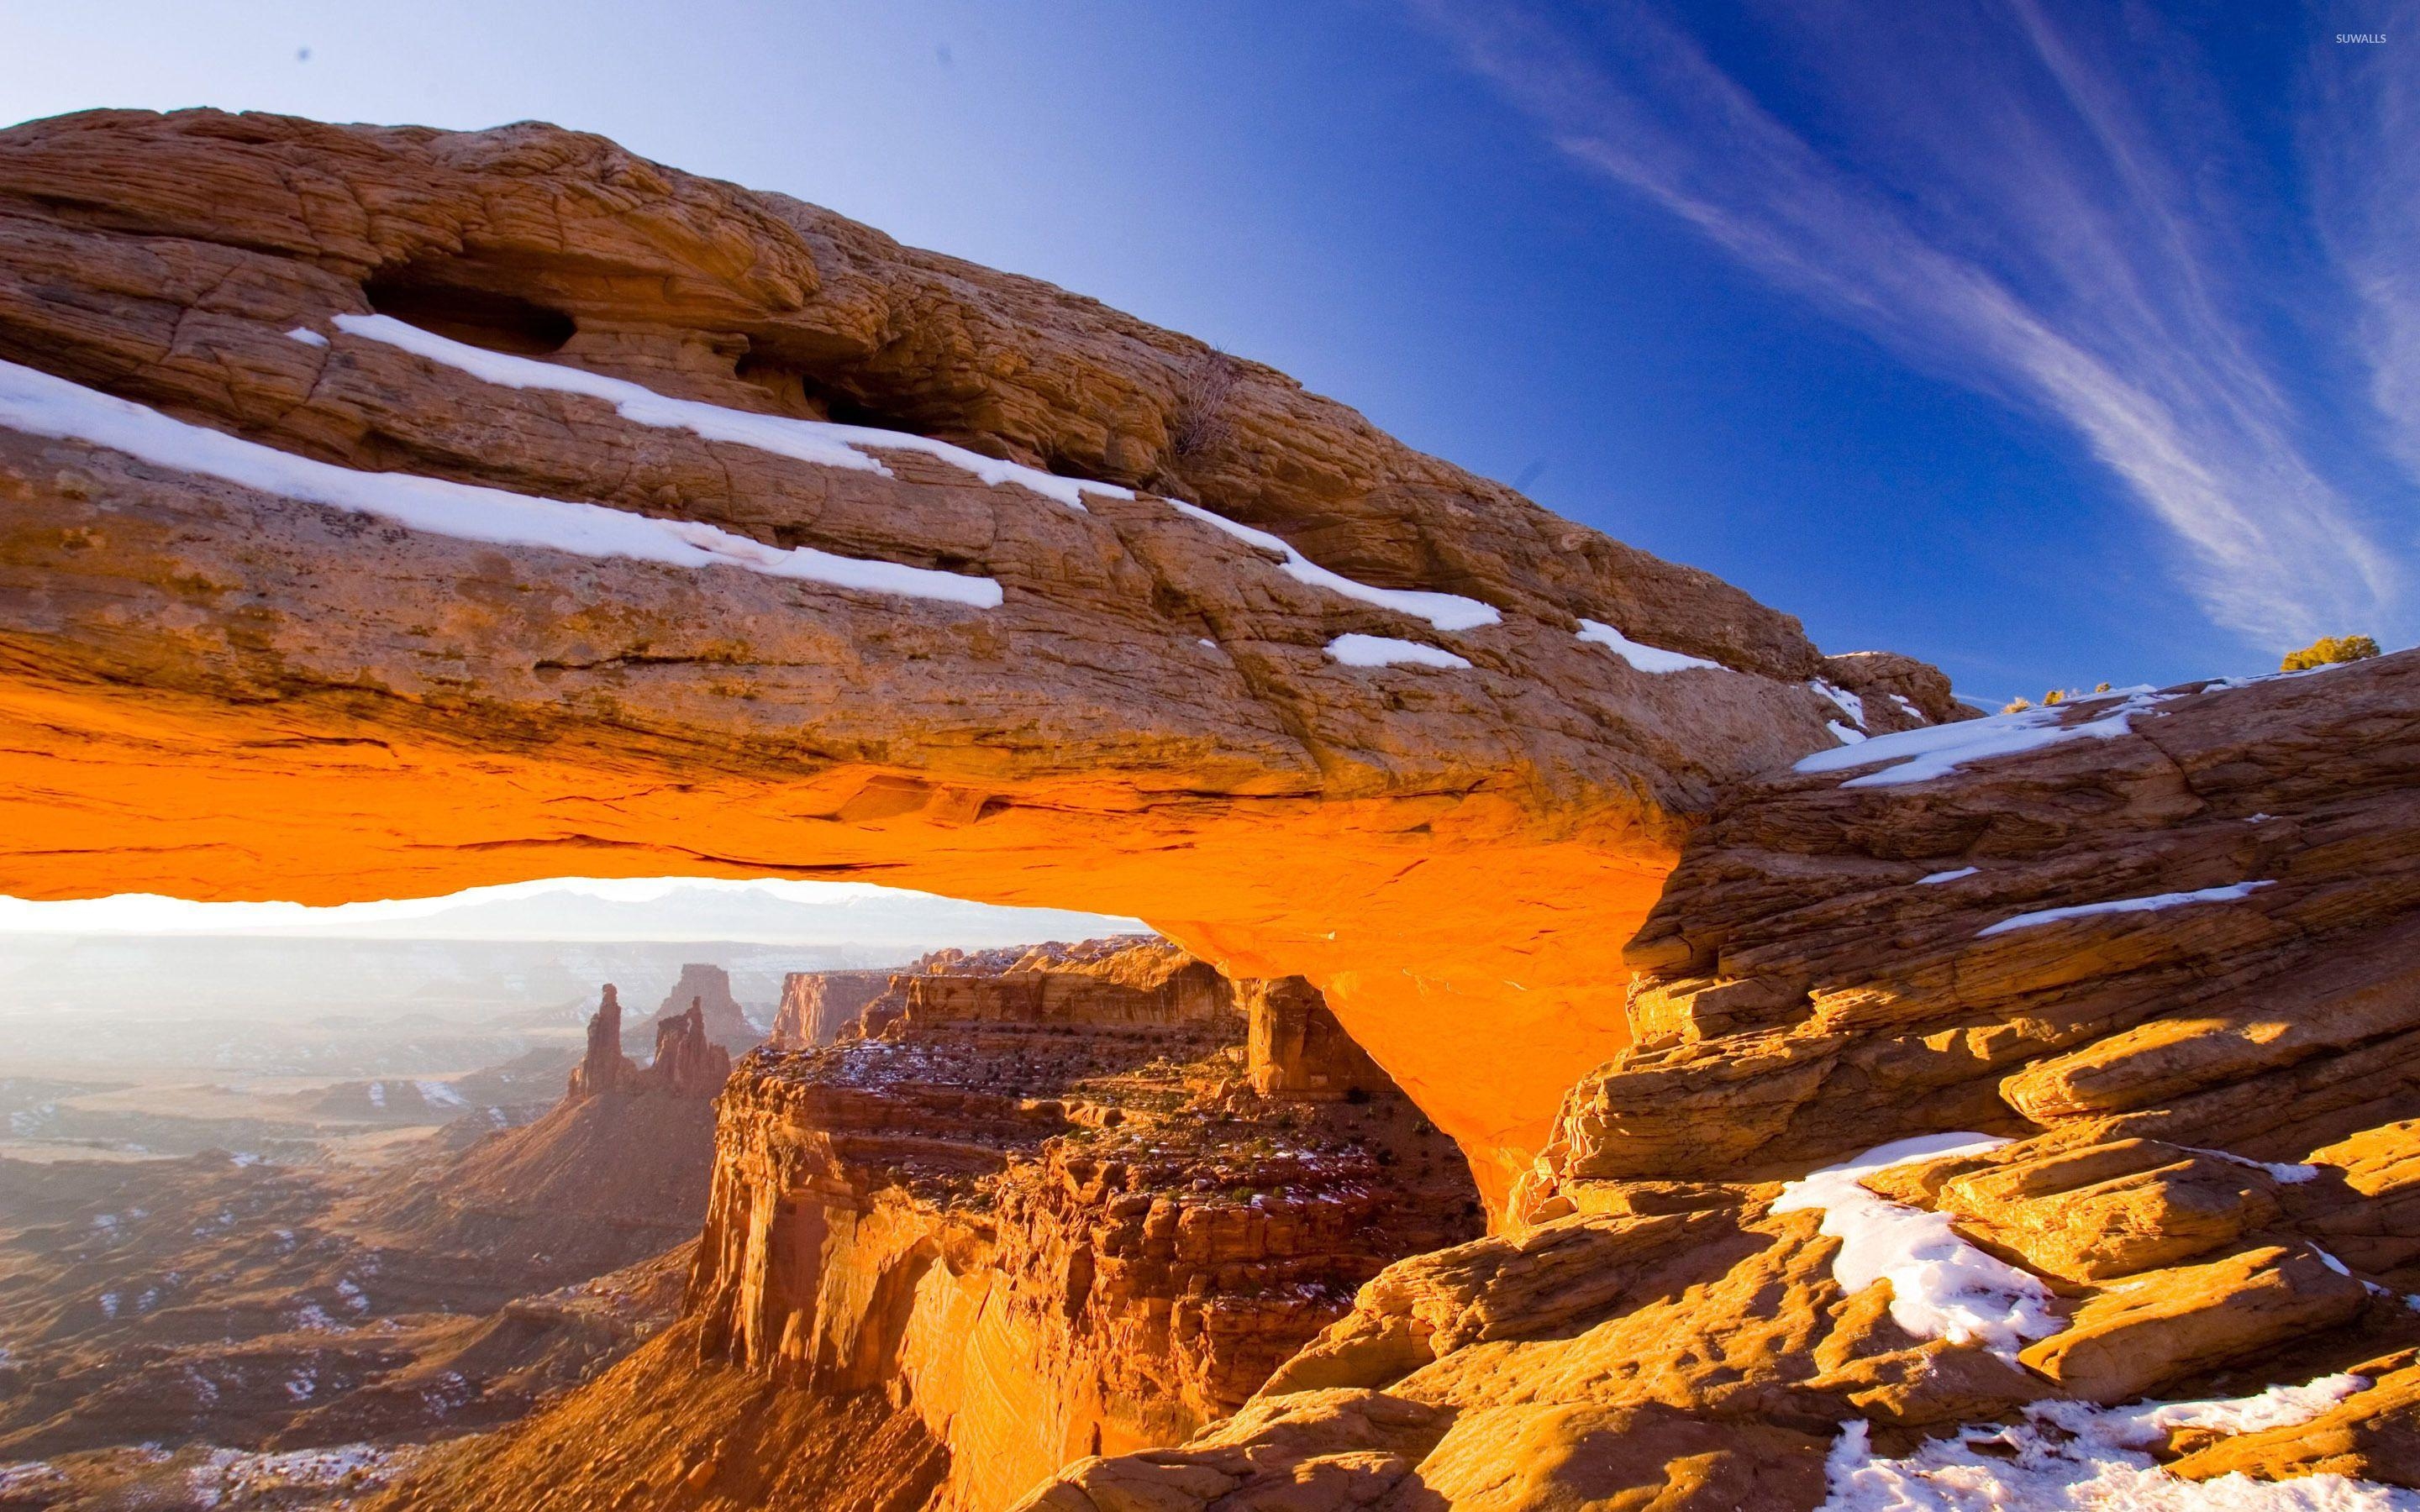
x=2072, y=1457
x=1386, y=651
x=40, y=404
x=2126, y=905
x=822, y=442
x=1850, y=704
x=1447, y=612
x=1920, y=755
x=1645, y=658
x=1941, y=1285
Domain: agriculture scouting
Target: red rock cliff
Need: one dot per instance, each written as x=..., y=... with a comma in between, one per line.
x=817, y=1004
x=1044, y=1207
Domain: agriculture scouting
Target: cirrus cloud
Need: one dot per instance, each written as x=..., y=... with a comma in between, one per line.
x=2026, y=208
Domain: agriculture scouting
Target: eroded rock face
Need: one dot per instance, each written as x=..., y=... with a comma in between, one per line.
x=1806, y=980
x=2203, y=1102
x=817, y=1005
x=604, y=1068
x=1297, y=1048
x=217, y=688
x=689, y=1063
x=707, y=989
x=1052, y=1215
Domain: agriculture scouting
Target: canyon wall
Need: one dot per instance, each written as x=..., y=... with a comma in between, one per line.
x=394, y=510
x=817, y=1004
x=1041, y=1211
x=1044, y=1207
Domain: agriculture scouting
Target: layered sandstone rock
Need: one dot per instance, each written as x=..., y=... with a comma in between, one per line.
x=707, y=989
x=218, y=689
x=817, y=1004
x=689, y=1063
x=2162, y=946
x=2203, y=1089
x=1841, y=960
x=1044, y=1208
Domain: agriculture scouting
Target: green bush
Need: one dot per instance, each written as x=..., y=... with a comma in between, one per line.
x=2327, y=650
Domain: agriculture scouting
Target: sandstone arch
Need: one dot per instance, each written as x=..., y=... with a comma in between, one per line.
x=217, y=686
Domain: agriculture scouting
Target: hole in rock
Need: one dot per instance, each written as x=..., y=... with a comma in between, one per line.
x=498, y=322
x=800, y=393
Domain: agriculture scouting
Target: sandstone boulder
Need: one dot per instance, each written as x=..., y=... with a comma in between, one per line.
x=2167, y=1325
x=1646, y=1457
x=2112, y=1209
x=2363, y=1202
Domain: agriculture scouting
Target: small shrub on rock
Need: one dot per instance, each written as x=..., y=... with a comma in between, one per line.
x=2328, y=650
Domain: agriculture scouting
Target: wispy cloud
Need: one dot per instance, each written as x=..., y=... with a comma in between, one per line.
x=1973, y=188
x=2359, y=141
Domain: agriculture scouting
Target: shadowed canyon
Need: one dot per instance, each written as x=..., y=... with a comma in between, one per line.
x=1599, y=1051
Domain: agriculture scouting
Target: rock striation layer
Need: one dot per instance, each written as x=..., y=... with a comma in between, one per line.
x=394, y=510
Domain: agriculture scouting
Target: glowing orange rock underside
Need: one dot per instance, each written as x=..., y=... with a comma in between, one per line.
x=1478, y=963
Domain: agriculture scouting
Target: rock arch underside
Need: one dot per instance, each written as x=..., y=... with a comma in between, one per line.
x=389, y=511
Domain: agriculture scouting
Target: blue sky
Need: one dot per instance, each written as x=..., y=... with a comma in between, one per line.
x=2053, y=341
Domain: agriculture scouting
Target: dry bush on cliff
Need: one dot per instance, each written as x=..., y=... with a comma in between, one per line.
x=1201, y=422
x=2327, y=651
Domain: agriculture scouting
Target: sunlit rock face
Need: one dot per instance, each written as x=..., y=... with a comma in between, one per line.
x=1975, y=1093
x=816, y=1004
x=1422, y=743
x=1048, y=1207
